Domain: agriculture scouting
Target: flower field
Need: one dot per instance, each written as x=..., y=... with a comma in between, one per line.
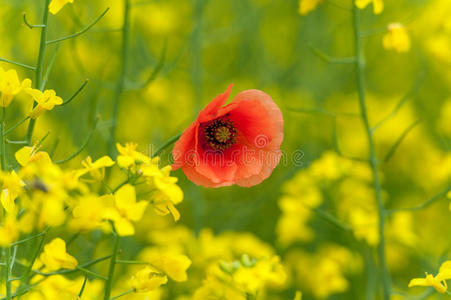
x=225, y=150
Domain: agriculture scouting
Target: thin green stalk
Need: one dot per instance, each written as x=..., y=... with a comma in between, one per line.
x=123, y=294
x=373, y=161
x=331, y=219
x=423, y=205
x=39, y=65
x=9, y=130
x=89, y=272
x=76, y=93
x=68, y=271
x=55, y=145
x=2, y=141
x=28, y=238
x=8, y=273
x=398, y=142
x=109, y=282
x=17, y=64
x=81, y=31
x=26, y=276
x=30, y=25
x=332, y=60
x=82, y=146
x=166, y=144
x=83, y=287
x=131, y=262
x=121, y=81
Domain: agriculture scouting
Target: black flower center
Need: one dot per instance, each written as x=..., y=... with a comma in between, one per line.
x=220, y=133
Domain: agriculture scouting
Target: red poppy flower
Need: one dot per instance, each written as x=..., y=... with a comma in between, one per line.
x=234, y=144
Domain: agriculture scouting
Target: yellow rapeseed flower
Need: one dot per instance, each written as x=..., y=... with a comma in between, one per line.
x=125, y=210
x=28, y=154
x=55, y=256
x=56, y=5
x=167, y=193
x=378, y=5
x=95, y=169
x=10, y=85
x=60, y=287
x=11, y=189
x=148, y=279
x=9, y=230
x=174, y=265
x=89, y=213
x=438, y=282
x=306, y=6
x=128, y=156
x=396, y=38
x=45, y=101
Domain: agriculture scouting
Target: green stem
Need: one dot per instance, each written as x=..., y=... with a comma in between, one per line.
x=8, y=273
x=423, y=205
x=17, y=64
x=81, y=31
x=131, y=262
x=373, y=161
x=68, y=271
x=123, y=294
x=121, y=185
x=26, y=276
x=2, y=141
x=167, y=144
x=109, y=282
x=76, y=93
x=9, y=130
x=89, y=272
x=331, y=219
x=83, y=287
x=82, y=146
x=28, y=238
x=121, y=81
x=39, y=65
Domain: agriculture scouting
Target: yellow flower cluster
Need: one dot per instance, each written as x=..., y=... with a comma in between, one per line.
x=10, y=85
x=40, y=195
x=330, y=263
x=241, y=279
x=304, y=193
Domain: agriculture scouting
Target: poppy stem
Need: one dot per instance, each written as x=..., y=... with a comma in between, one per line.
x=373, y=161
x=168, y=143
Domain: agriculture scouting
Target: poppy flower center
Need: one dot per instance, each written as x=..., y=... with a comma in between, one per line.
x=220, y=134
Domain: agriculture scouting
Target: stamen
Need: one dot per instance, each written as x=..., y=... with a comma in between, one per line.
x=220, y=133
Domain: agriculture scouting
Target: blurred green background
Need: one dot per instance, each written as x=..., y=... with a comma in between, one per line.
x=202, y=46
